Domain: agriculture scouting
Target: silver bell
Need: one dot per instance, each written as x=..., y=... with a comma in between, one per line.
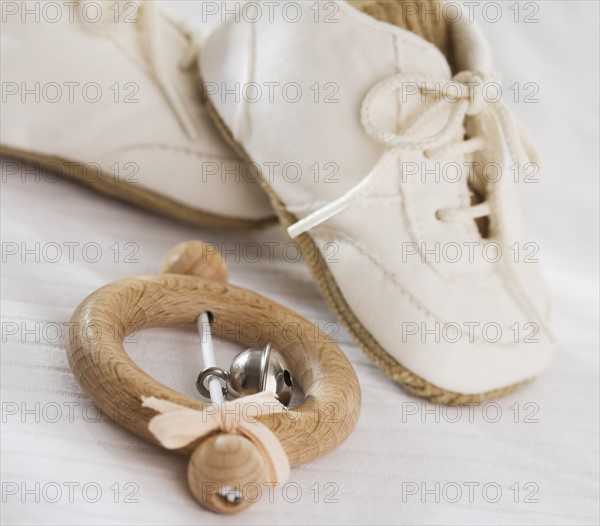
x=252, y=371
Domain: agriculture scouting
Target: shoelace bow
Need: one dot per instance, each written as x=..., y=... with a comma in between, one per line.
x=470, y=101
x=150, y=20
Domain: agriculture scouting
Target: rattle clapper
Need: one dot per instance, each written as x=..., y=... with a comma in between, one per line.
x=252, y=371
x=239, y=445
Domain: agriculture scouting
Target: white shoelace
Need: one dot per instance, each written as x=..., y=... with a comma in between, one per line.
x=149, y=19
x=471, y=100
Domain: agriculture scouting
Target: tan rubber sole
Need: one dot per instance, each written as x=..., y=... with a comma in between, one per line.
x=134, y=193
x=410, y=381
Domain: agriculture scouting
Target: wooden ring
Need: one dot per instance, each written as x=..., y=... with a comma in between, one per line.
x=101, y=365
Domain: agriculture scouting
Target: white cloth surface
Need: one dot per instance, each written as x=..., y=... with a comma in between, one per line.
x=545, y=441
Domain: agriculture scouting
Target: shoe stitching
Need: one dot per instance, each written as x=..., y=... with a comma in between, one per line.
x=513, y=282
x=337, y=234
x=174, y=36
x=413, y=217
x=509, y=275
x=399, y=60
x=408, y=38
x=175, y=149
x=243, y=127
x=412, y=220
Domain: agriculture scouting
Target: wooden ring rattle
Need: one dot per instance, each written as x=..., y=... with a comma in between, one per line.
x=194, y=282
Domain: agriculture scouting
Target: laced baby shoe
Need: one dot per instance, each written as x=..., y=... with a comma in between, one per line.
x=98, y=92
x=392, y=140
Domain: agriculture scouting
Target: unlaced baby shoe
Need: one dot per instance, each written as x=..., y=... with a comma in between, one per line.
x=388, y=154
x=97, y=91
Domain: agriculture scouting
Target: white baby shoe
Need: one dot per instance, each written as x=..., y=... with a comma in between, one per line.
x=97, y=92
x=385, y=158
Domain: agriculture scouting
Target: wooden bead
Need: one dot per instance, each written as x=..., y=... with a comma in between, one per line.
x=195, y=258
x=227, y=462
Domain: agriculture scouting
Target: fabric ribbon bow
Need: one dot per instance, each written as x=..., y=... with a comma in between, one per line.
x=177, y=426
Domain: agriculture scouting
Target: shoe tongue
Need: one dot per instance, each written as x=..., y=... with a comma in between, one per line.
x=418, y=18
x=423, y=54
x=423, y=18
x=458, y=39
